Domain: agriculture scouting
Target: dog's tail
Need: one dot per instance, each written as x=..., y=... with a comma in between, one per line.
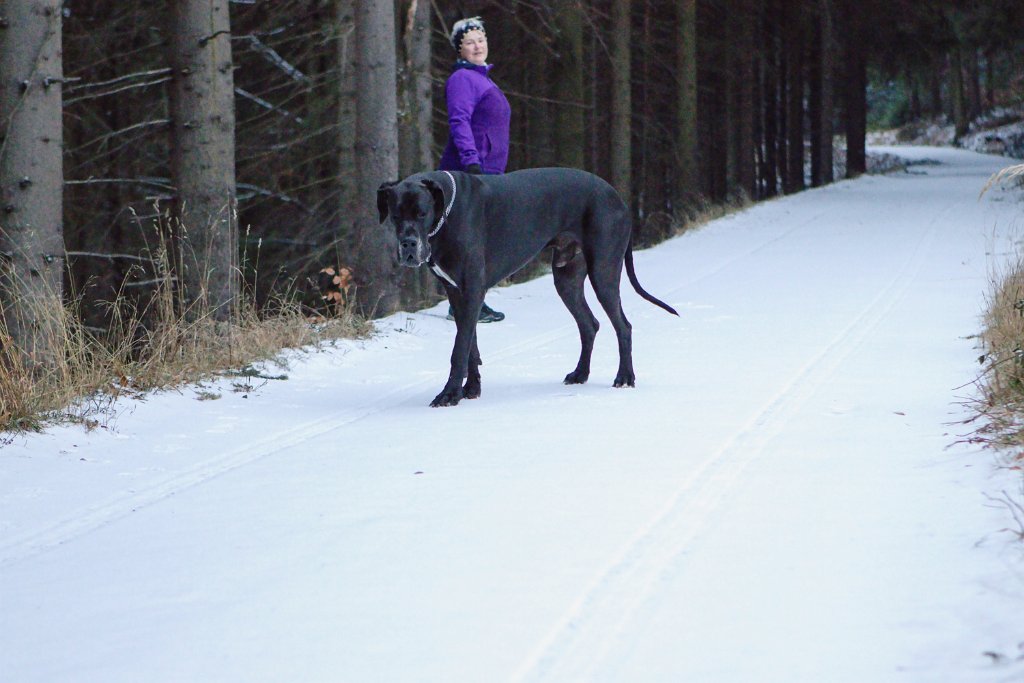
x=631, y=272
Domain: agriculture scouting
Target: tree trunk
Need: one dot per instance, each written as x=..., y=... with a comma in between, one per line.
x=31, y=177
x=783, y=105
x=913, y=85
x=415, y=131
x=974, y=82
x=957, y=92
x=415, y=140
x=717, y=169
x=621, y=102
x=539, y=113
x=203, y=155
x=345, y=18
x=376, y=148
x=769, y=175
x=935, y=84
x=746, y=176
x=568, y=72
x=856, y=91
x=820, y=98
x=990, y=99
x=829, y=46
x=688, y=184
x=814, y=98
x=795, y=100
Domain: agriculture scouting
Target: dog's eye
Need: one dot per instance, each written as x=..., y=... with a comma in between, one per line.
x=421, y=214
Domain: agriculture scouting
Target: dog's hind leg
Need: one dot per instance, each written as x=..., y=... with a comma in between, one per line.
x=569, y=275
x=605, y=277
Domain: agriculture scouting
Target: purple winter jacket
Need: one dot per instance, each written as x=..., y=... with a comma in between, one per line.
x=478, y=121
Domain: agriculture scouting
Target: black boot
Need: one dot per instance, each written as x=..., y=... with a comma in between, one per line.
x=487, y=315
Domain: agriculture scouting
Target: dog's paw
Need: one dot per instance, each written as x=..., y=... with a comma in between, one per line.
x=622, y=381
x=576, y=377
x=447, y=398
x=471, y=390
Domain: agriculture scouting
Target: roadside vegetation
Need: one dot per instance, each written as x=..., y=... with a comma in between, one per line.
x=151, y=342
x=145, y=350
x=1000, y=406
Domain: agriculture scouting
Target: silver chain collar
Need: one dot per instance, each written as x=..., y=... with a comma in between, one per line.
x=444, y=216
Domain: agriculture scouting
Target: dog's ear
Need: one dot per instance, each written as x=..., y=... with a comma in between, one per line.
x=437, y=193
x=383, y=195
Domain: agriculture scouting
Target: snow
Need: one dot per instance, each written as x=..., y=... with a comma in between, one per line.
x=999, y=130
x=783, y=497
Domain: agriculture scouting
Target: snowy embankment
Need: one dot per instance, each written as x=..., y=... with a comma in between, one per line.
x=997, y=131
x=777, y=500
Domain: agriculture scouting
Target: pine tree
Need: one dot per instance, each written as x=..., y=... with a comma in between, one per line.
x=31, y=176
x=203, y=154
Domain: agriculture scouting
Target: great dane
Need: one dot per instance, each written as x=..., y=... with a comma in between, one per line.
x=475, y=230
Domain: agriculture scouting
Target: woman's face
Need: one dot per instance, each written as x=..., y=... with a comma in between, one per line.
x=474, y=47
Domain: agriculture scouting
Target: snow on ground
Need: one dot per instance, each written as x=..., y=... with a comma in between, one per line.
x=998, y=131
x=781, y=498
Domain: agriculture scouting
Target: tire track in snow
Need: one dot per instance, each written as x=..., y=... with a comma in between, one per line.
x=30, y=543
x=576, y=646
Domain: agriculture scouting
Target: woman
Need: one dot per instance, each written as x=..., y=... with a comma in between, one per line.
x=478, y=115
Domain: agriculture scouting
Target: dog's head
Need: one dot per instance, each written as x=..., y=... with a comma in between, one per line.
x=415, y=207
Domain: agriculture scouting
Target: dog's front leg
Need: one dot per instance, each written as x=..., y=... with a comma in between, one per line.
x=472, y=388
x=466, y=309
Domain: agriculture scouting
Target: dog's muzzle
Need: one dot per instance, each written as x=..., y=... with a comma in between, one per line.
x=412, y=252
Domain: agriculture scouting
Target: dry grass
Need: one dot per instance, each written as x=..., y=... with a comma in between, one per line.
x=154, y=345
x=1011, y=174
x=704, y=211
x=91, y=370
x=1000, y=408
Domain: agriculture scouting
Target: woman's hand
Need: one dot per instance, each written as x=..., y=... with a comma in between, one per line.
x=474, y=169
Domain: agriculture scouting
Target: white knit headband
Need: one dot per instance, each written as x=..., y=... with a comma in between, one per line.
x=464, y=26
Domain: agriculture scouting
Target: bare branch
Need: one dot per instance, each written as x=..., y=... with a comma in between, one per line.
x=119, y=79
x=162, y=183
x=154, y=281
x=267, y=105
x=122, y=131
x=108, y=257
x=272, y=56
x=253, y=190
x=117, y=90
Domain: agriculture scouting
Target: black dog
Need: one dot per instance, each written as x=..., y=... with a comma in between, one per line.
x=475, y=230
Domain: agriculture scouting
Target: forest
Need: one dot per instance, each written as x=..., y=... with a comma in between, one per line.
x=234, y=147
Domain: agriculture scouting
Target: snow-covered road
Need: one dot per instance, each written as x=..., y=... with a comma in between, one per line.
x=777, y=500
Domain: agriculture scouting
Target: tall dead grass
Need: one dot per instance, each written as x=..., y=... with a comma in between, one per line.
x=151, y=343
x=1000, y=407
x=705, y=211
x=1010, y=174
x=999, y=410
